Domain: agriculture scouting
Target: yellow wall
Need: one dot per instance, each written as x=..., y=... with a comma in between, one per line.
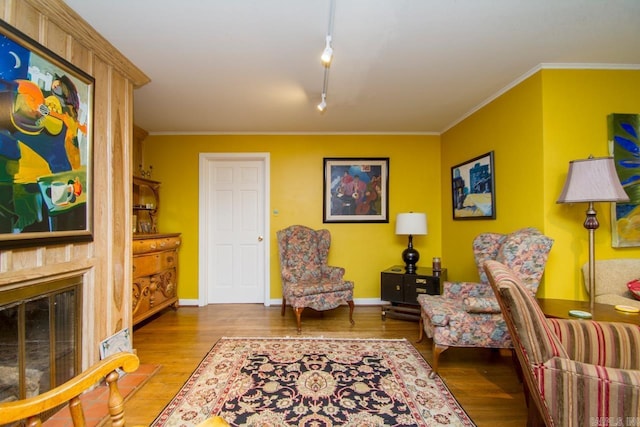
x=576, y=104
x=534, y=129
x=511, y=126
x=296, y=193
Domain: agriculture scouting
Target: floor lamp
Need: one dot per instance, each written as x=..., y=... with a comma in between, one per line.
x=588, y=181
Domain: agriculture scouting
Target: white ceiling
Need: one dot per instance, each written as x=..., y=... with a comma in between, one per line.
x=400, y=66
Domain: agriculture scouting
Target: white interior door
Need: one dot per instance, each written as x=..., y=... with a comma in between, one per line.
x=233, y=222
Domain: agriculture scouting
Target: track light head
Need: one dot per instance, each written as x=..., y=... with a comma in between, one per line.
x=327, y=54
x=323, y=104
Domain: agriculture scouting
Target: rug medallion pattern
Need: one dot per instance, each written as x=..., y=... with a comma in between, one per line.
x=314, y=382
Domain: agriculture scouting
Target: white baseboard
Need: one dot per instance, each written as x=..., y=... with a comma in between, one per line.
x=278, y=302
x=356, y=301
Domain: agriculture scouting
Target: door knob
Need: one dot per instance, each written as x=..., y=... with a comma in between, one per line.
x=260, y=238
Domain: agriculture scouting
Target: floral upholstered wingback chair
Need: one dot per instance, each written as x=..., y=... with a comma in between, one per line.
x=467, y=314
x=307, y=280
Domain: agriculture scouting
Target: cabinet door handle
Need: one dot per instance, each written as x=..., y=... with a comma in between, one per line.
x=260, y=238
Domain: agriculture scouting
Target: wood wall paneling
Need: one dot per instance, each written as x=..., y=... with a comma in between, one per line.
x=55, y=38
x=26, y=18
x=105, y=263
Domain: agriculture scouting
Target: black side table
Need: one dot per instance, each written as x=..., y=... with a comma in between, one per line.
x=402, y=289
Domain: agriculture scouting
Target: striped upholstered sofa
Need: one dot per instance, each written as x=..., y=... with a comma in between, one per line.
x=577, y=372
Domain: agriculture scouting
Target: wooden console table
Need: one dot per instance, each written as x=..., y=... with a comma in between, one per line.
x=559, y=308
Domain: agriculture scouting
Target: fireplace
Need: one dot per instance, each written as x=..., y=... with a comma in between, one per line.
x=40, y=337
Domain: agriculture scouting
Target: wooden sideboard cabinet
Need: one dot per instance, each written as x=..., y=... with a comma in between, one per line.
x=155, y=274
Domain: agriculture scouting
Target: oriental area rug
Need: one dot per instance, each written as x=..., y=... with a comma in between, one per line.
x=314, y=382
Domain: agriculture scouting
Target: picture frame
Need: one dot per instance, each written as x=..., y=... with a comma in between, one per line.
x=120, y=341
x=356, y=190
x=624, y=144
x=473, y=188
x=46, y=155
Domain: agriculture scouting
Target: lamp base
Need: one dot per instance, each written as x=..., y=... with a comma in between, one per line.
x=410, y=257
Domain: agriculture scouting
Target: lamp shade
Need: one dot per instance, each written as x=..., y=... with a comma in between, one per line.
x=592, y=180
x=411, y=223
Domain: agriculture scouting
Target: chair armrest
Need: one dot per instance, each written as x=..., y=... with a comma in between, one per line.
x=610, y=344
x=287, y=276
x=583, y=384
x=438, y=309
x=461, y=290
x=72, y=389
x=334, y=274
x=488, y=304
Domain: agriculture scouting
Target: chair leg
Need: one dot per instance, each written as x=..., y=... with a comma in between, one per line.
x=284, y=305
x=437, y=350
x=516, y=364
x=534, y=419
x=351, y=307
x=298, y=311
x=421, y=326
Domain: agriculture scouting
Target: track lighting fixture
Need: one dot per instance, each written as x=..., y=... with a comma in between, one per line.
x=323, y=104
x=325, y=86
x=327, y=54
x=326, y=57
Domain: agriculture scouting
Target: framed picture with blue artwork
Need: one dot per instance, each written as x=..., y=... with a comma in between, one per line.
x=356, y=190
x=473, y=189
x=46, y=108
x=624, y=146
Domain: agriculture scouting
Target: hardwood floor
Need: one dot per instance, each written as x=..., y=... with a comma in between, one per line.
x=484, y=381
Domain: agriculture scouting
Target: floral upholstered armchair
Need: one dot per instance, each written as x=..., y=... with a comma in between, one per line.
x=307, y=280
x=468, y=314
x=577, y=372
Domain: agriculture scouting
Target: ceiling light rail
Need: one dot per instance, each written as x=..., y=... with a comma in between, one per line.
x=327, y=54
x=327, y=57
x=325, y=86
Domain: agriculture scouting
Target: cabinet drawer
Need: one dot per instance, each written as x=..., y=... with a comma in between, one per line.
x=168, y=243
x=391, y=287
x=418, y=285
x=150, y=264
x=142, y=246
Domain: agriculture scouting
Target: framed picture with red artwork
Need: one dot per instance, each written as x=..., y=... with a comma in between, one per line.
x=356, y=189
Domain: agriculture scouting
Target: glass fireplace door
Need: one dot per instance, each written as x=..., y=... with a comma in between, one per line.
x=39, y=337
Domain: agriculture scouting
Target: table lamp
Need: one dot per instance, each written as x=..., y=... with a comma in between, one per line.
x=411, y=224
x=588, y=181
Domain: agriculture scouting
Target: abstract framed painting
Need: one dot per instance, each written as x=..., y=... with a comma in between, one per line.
x=473, y=188
x=624, y=146
x=356, y=189
x=46, y=109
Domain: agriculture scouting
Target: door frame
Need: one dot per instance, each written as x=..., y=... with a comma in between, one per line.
x=203, y=249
